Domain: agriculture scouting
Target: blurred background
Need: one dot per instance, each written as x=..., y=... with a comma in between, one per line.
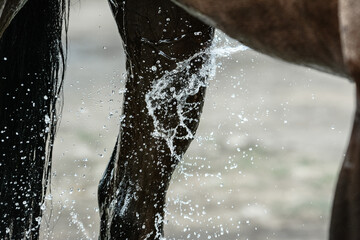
x=264, y=162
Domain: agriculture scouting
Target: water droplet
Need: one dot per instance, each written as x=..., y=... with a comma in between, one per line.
x=47, y=119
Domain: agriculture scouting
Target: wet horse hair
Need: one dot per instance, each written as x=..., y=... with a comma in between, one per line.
x=32, y=63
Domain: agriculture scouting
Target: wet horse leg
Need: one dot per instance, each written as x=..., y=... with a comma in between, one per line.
x=345, y=220
x=30, y=79
x=166, y=80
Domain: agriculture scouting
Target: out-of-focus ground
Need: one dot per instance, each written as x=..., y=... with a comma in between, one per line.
x=264, y=162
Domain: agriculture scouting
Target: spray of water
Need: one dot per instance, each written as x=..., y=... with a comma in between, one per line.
x=80, y=225
x=163, y=93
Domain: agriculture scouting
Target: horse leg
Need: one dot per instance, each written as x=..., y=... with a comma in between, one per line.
x=166, y=79
x=30, y=60
x=345, y=220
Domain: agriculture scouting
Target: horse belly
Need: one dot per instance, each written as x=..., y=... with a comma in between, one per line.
x=302, y=32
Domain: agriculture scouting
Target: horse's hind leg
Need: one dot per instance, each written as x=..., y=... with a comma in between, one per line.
x=30, y=51
x=345, y=220
x=161, y=112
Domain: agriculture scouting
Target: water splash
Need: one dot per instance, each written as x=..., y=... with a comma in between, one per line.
x=226, y=51
x=80, y=225
x=164, y=95
x=159, y=220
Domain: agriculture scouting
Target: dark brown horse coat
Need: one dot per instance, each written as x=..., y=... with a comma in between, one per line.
x=303, y=32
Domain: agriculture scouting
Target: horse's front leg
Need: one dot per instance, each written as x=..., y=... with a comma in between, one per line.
x=167, y=55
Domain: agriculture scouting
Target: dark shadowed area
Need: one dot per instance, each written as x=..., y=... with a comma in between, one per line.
x=262, y=166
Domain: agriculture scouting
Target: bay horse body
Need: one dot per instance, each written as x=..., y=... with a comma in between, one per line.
x=165, y=48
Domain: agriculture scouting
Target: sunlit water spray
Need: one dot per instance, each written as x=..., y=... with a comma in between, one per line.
x=80, y=225
x=163, y=92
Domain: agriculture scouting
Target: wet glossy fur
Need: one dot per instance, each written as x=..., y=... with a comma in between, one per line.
x=31, y=64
